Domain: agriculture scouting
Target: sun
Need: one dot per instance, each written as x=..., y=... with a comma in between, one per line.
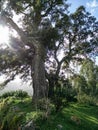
x=4, y=35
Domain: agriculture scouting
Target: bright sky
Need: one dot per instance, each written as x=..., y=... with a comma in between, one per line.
x=91, y=6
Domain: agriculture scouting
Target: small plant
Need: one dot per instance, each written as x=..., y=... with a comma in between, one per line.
x=45, y=108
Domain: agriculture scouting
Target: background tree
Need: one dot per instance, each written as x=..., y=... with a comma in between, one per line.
x=85, y=82
x=79, y=86
x=78, y=41
x=90, y=72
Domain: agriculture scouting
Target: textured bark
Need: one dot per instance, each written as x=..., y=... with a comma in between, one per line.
x=38, y=74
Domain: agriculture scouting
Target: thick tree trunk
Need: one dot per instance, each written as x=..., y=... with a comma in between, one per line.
x=38, y=74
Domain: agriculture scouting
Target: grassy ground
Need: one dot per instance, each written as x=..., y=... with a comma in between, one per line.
x=14, y=112
x=88, y=116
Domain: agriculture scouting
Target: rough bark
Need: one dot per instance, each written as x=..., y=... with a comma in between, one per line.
x=38, y=74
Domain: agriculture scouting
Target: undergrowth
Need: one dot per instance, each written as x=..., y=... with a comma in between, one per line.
x=16, y=111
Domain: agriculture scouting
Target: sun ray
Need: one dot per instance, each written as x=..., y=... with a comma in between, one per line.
x=4, y=35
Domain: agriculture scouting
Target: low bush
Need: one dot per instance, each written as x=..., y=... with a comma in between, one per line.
x=21, y=94
x=86, y=99
x=16, y=120
x=18, y=93
x=7, y=94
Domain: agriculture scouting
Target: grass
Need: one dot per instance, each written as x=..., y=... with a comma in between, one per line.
x=87, y=114
x=25, y=112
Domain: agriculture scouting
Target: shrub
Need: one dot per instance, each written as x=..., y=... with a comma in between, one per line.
x=84, y=98
x=45, y=107
x=18, y=93
x=21, y=94
x=13, y=123
x=7, y=94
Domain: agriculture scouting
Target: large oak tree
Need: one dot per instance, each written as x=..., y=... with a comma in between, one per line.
x=47, y=29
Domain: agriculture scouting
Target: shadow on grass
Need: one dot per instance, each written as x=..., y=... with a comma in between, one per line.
x=87, y=114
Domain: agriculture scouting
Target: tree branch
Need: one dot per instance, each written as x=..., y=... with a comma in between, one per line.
x=24, y=38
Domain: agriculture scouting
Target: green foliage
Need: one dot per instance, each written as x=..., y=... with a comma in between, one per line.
x=11, y=113
x=19, y=93
x=90, y=72
x=11, y=119
x=16, y=120
x=7, y=94
x=20, y=112
x=86, y=114
x=87, y=99
x=85, y=83
x=44, y=104
x=63, y=93
x=79, y=83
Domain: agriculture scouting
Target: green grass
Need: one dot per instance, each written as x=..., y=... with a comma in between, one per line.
x=87, y=114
